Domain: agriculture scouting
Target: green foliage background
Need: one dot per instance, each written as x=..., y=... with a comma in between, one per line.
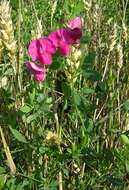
x=89, y=117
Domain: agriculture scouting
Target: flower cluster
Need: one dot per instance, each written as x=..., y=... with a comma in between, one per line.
x=41, y=50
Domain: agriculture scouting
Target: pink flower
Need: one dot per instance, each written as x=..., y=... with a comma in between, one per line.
x=70, y=36
x=45, y=58
x=55, y=38
x=33, y=50
x=64, y=48
x=41, y=50
x=38, y=71
x=44, y=48
x=64, y=37
x=75, y=23
x=47, y=45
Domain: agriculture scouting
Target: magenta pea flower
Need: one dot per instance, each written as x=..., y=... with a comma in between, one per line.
x=64, y=37
x=38, y=71
x=41, y=50
x=70, y=36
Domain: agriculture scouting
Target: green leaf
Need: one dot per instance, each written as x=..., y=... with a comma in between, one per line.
x=2, y=170
x=87, y=91
x=78, y=8
x=32, y=117
x=76, y=98
x=49, y=100
x=66, y=90
x=124, y=139
x=89, y=60
x=11, y=184
x=85, y=40
x=57, y=62
x=18, y=135
x=53, y=185
x=3, y=179
x=55, y=66
x=127, y=166
x=92, y=75
x=32, y=96
x=19, y=187
x=126, y=105
x=101, y=89
x=43, y=149
x=25, y=109
x=40, y=98
x=89, y=125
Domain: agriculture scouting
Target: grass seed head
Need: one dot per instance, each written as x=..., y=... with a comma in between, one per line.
x=120, y=55
x=6, y=30
x=52, y=138
x=73, y=63
x=37, y=32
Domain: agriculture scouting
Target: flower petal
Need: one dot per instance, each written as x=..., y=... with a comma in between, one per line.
x=75, y=23
x=38, y=71
x=45, y=58
x=46, y=45
x=40, y=76
x=55, y=38
x=76, y=34
x=70, y=36
x=65, y=35
x=34, y=67
x=33, y=50
x=64, y=48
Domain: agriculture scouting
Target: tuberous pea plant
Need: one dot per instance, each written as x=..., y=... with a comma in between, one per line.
x=43, y=49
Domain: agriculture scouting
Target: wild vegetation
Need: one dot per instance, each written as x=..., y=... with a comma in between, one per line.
x=70, y=130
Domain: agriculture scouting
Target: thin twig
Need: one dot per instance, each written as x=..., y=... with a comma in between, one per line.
x=83, y=170
x=60, y=181
x=10, y=161
x=59, y=130
x=107, y=116
x=36, y=15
